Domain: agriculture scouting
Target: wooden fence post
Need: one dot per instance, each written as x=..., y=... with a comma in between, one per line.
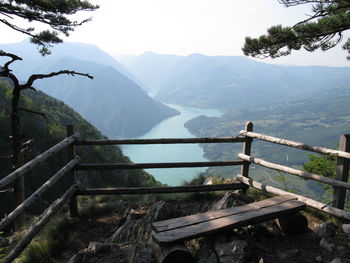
x=73, y=206
x=342, y=174
x=247, y=148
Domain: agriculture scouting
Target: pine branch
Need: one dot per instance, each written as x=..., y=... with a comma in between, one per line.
x=35, y=77
x=13, y=57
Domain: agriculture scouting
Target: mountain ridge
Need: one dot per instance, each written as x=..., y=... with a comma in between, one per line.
x=232, y=81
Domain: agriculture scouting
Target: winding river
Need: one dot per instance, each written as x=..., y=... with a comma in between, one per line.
x=171, y=128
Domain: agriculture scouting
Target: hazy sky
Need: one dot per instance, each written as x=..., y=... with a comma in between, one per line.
x=211, y=27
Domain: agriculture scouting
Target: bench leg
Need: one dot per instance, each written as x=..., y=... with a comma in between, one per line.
x=294, y=224
x=172, y=253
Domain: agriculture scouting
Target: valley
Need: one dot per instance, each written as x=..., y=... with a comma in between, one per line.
x=306, y=104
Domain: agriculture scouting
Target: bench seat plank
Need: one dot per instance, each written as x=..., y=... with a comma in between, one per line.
x=173, y=223
x=230, y=221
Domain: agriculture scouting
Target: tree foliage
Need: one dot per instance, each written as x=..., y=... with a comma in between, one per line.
x=321, y=30
x=56, y=14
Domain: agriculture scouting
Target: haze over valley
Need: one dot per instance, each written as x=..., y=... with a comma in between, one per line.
x=138, y=99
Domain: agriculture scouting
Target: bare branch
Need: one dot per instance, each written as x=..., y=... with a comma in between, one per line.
x=13, y=58
x=35, y=77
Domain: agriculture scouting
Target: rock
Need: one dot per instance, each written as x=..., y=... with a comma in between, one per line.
x=206, y=255
x=107, y=253
x=326, y=230
x=222, y=204
x=318, y=259
x=232, y=252
x=141, y=254
x=4, y=241
x=98, y=247
x=208, y=181
x=336, y=260
x=326, y=244
x=287, y=254
x=134, y=214
x=295, y=224
x=346, y=229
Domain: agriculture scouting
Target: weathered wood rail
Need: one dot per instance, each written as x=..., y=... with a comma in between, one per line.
x=246, y=137
x=340, y=184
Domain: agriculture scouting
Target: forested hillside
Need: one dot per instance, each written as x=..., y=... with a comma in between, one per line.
x=318, y=120
x=45, y=133
x=113, y=103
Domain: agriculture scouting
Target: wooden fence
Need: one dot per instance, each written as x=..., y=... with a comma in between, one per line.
x=246, y=137
x=70, y=196
x=340, y=183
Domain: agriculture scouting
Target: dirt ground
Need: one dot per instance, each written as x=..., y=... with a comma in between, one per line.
x=264, y=244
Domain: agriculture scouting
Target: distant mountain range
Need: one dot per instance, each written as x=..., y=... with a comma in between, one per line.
x=230, y=82
x=114, y=103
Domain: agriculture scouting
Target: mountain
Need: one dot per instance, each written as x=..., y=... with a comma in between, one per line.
x=111, y=101
x=45, y=133
x=31, y=57
x=231, y=81
x=154, y=70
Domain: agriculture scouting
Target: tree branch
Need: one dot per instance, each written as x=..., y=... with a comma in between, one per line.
x=35, y=77
x=13, y=58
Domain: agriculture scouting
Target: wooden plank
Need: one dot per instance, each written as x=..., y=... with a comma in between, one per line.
x=309, y=202
x=173, y=223
x=233, y=221
x=247, y=149
x=295, y=144
x=45, y=217
x=37, y=160
x=113, y=166
x=38, y=193
x=73, y=204
x=161, y=190
x=342, y=172
x=163, y=141
x=286, y=169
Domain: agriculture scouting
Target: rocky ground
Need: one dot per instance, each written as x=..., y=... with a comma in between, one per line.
x=123, y=235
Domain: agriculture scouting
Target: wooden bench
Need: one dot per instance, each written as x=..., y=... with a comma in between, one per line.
x=193, y=226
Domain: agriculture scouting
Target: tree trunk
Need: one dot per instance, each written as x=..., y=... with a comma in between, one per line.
x=17, y=157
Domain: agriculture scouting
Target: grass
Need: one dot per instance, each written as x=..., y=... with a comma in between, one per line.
x=42, y=247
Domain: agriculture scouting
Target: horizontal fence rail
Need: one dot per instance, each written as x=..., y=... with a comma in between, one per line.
x=297, y=145
x=31, y=199
x=37, y=160
x=309, y=202
x=49, y=213
x=161, y=190
x=112, y=166
x=286, y=169
x=163, y=141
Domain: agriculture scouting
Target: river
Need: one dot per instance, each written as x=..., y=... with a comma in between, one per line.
x=171, y=128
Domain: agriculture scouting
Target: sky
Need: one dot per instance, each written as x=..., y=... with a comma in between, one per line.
x=183, y=27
